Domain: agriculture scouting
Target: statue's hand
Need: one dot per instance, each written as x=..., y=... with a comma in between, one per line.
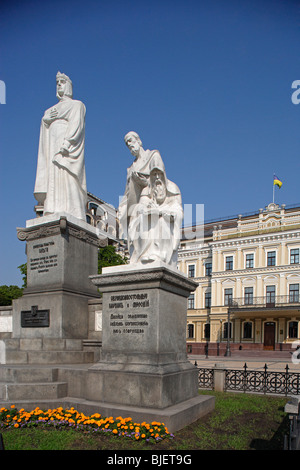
x=50, y=115
x=63, y=151
x=53, y=113
x=139, y=178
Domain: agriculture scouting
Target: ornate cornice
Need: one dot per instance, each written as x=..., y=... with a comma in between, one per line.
x=262, y=270
x=144, y=276
x=249, y=241
x=59, y=227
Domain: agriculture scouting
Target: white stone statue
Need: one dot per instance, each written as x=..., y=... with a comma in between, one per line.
x=155, y=226
x=60, y=184
x=137, y=179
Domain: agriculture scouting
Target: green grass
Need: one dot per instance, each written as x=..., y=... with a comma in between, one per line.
x=239, y=422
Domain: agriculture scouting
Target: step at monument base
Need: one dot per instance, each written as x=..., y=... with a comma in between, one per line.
x=13, y=392
x=50, y=351
x=174, y=417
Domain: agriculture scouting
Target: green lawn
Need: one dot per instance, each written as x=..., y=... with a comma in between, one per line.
x=239, y=422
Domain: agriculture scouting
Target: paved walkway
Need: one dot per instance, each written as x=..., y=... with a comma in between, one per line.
x=254, y=363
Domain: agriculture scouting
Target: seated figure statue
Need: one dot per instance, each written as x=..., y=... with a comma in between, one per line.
x=156, y=220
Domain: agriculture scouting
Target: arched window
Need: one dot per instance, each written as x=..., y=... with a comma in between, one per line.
x=225, y=330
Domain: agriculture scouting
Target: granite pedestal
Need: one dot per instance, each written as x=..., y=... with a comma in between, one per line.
x=144, y=364
x=61, y=254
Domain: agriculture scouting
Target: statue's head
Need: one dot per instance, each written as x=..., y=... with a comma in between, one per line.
x=133, y=142
x=158, y=180
x=64, y=86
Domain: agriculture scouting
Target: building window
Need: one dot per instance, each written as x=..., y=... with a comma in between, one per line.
x=191, y=270
x=247, y=330
x=248, y=295
x=190, y=330
x=208, y=269
x=271, y=258
x=294, y=293
x=207, y=331
x=270, y=292
x=191, y=301
x=294, y=257
x=225, y=330
x=228, y=296
x=207, y=299
x=293, y=329
x=250, y=260
x=229, y=263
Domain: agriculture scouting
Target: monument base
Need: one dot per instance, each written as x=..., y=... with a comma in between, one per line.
x=144, y=366
x=175, y=417
x=45, y=386
x=61, y=254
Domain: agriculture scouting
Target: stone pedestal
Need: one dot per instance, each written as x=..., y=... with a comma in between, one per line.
x=61, y=254
x=144, y=365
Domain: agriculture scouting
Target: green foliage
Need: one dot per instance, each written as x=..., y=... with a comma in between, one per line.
x=8, y=293
x=108, y=256
x=239, y=422
x=23, y=269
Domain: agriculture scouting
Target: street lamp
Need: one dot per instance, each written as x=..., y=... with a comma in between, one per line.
x=228, y=352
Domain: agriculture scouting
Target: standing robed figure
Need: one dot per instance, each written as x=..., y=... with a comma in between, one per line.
x=60, y=184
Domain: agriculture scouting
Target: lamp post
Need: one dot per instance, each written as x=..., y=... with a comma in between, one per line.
x=228, y=352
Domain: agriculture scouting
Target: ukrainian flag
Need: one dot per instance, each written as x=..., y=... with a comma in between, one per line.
x=277, y=182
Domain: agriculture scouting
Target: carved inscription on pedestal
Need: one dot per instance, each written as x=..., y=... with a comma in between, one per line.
x=128, y=313
x=43, y=258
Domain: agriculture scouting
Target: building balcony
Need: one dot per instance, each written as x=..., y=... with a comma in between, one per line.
x=265, y=302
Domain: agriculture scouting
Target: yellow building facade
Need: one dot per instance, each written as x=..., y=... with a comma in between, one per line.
x=248, y=272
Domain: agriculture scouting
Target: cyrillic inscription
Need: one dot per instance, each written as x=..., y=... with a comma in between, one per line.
x=43, y=261
x=126, y=321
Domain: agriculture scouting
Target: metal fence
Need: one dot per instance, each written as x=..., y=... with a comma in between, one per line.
x=253, y=381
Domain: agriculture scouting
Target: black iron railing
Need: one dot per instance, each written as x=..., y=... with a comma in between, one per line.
x=265, y=301
x=253, y=381
x=284, y=383
x=206, y=378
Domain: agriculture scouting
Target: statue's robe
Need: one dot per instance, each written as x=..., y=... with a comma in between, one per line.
x=155, y=229
x=61, y=180
x=137, y=179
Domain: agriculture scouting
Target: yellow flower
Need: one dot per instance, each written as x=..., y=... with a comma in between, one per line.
x=115, y=431
x=143, y=436
x=16, y=425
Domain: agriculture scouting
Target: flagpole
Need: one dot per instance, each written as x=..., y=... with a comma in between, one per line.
x=273, y=192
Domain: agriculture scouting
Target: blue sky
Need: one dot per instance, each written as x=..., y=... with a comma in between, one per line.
x=207, y=83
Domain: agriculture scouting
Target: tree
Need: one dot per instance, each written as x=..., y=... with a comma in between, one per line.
x=108, y=256
x=8, y=293
x=23, y=269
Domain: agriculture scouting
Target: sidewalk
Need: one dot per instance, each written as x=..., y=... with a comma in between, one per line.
x=275, y=364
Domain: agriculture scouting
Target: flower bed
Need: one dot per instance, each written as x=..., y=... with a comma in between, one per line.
x=64, y=418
